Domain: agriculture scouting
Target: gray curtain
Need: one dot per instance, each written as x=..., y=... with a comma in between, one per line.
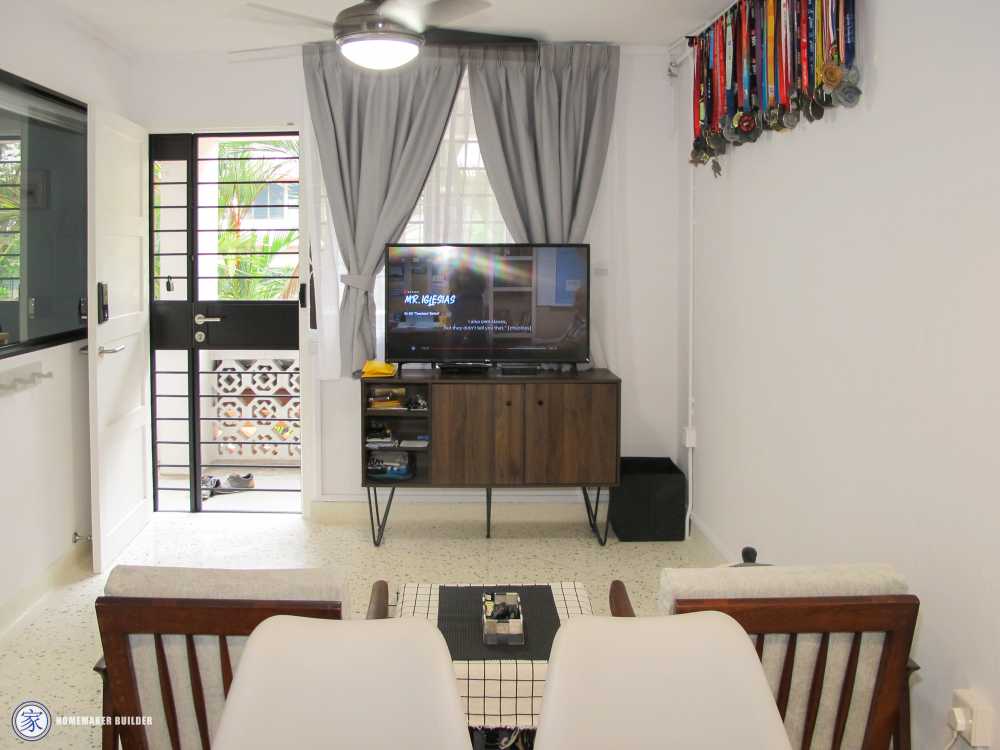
x=377, y=133
x=544, y=122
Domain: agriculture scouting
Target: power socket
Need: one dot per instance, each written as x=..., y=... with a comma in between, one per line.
x=978, y=727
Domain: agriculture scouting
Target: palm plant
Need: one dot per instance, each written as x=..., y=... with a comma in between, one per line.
x=247, y=254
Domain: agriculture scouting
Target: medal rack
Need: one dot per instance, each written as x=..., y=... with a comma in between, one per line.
x=765, y=65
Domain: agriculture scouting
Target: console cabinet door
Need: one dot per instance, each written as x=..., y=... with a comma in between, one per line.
x=571, y=434
x=462, y=435
x=508, y=437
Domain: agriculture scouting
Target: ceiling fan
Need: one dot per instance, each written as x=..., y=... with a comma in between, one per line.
x=385, y=34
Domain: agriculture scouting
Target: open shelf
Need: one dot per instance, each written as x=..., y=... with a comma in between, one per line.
x=398, y=424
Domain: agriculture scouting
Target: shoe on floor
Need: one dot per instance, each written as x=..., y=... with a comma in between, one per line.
x=240, y=482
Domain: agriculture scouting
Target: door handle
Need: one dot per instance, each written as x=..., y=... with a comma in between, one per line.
x=111, y=350
x=200, y=320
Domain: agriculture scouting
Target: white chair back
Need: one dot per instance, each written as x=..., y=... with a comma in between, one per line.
x=318, y=684
x=649, y=683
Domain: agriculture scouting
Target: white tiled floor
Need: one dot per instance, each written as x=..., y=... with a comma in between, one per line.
x=49, y=654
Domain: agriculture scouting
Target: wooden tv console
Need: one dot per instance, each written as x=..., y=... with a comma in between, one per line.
x=490, y=430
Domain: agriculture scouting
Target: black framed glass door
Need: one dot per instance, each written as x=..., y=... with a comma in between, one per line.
x=224, y=287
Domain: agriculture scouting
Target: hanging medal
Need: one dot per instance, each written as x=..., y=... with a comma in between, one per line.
x=746, y=122
x=790, y=116
x=832, y=73
x=816, y=105
x=729, y=125
x=848, y=94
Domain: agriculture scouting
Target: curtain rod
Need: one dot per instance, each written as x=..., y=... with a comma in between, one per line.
x=700, y=29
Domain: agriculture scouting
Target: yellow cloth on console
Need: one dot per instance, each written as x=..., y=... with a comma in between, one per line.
x=377, y=369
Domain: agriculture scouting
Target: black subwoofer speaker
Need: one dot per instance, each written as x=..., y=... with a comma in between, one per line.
x=650, y=504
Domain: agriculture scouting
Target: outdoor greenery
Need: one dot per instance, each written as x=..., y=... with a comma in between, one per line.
x=236, y=201
x=10, y=219
x=246, y=252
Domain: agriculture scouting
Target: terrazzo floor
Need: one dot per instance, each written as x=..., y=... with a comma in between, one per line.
x=48, y=655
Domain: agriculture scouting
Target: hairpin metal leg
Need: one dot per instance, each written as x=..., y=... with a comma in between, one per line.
x=592, y=514
x=489, y=510
x=378, y=521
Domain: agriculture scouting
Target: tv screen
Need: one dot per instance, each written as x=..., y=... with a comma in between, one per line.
x=500, y=303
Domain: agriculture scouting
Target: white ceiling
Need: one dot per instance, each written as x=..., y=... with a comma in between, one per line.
x=161, y=27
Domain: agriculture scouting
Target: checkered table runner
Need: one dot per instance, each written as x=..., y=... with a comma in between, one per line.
x=497, y=692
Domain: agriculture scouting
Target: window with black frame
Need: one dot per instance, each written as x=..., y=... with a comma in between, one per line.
x=43, y=217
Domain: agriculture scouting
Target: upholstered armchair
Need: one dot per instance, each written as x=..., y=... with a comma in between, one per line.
x=834, y=642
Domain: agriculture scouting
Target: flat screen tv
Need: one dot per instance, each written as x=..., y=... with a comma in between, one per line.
x=487, y=303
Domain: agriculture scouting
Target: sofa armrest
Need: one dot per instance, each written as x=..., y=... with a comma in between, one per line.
x=621, y=605
x=378, y=604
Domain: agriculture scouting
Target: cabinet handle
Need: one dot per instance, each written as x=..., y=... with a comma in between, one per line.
x=508, y=403
x=541, y=403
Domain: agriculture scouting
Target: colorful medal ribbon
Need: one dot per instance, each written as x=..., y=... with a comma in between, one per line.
x=696, y=94
x=820, y=54
x=730, y=69
x=850, y=41
x=762, y=63
x=804, y=45
x=786, y=60
x=745, y=49
x=771, y=56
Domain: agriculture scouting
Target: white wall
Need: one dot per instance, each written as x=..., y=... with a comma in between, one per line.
x=48, y=46
x=44, y=464
x=847, y=298
x=209, y=92
x=635, y=287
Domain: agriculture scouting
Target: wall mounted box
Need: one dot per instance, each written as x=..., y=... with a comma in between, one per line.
x=650, y=503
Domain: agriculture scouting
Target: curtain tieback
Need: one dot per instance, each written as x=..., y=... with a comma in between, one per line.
x=364, y=284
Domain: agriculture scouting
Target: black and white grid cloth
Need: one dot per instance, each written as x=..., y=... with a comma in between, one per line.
x=497, y=692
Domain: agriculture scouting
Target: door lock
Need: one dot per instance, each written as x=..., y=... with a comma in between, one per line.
x=200, y=320
x=199, y=336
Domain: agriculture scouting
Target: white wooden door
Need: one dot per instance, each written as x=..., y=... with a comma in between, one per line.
x=118, y=252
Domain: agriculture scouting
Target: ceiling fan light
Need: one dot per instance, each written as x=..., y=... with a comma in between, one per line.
x=380, y=51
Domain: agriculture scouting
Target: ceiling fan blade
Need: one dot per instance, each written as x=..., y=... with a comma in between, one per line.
x=264, y=53
x=277, y=15
x=441, y=12
x=419, y=14
x=437, y=35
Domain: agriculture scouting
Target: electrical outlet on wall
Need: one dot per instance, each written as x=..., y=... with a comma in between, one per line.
x=972, y=717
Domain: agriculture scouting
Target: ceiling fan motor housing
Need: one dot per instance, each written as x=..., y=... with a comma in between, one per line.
x=364, y=21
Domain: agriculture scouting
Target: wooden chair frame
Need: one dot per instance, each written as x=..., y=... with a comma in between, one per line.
x=120, y=617
x=895, y=616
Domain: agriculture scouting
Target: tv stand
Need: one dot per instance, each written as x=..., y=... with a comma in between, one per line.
x=486, y=430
